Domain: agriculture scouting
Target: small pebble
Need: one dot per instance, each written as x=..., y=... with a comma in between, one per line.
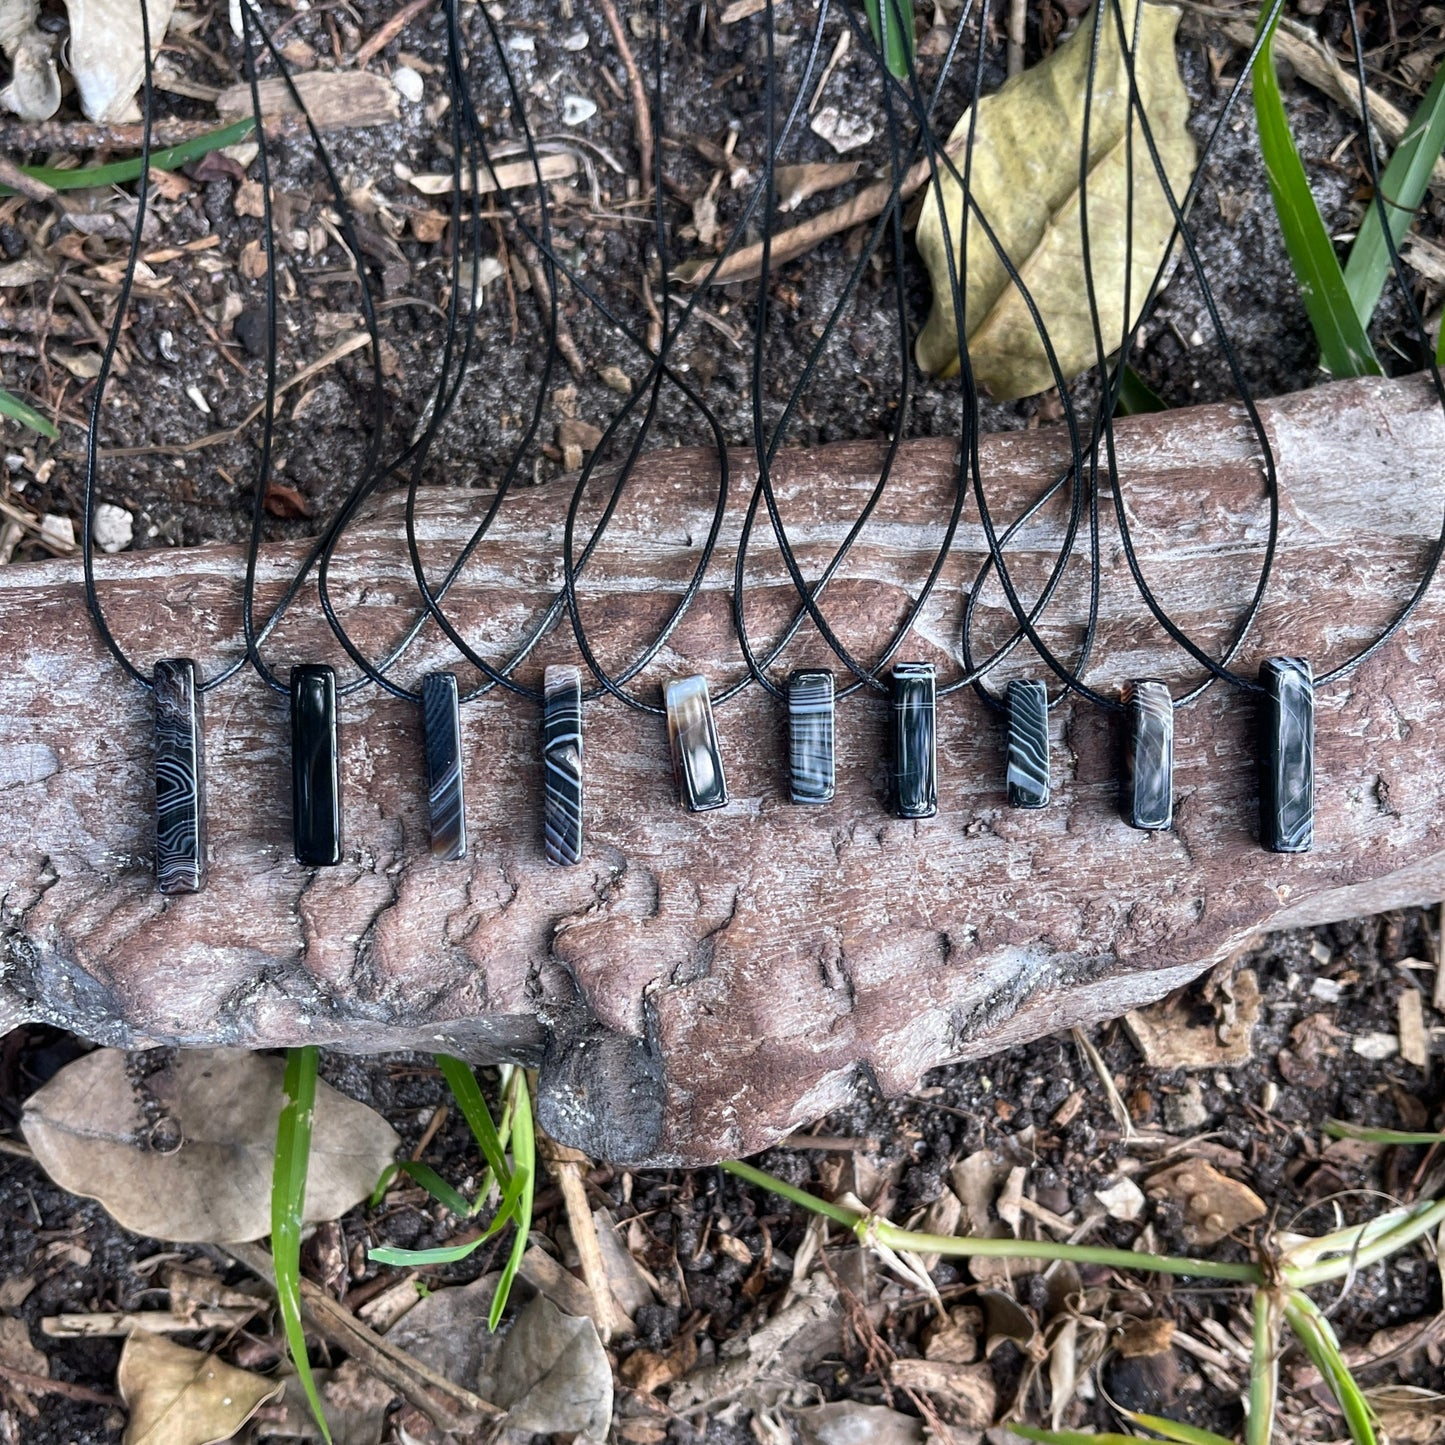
x=1326, y=988
x=577, y=40
x=1123, y=1199
x=201, y=404
x=58, y=529
x=408, y=84
x=526, y=44
x=1376, y=1046
x=113, y=528
x=576, y=109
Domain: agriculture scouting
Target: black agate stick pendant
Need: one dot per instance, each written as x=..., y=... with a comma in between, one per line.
x=446, y=799
x=810, y=736
x=1149, y=756
x=696, y=757
x=562, y=764
x=315, y=767
x=1287, y=755
x=180, y=778
x=1028, y=743
x=915, y=741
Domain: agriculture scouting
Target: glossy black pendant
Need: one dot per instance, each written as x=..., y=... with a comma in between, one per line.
x=810, y=736
x=1028, y=743
x=562, y=764
x=180, y=777
x=1149, y=756
x=696, y=758
x=315, y=767
x=915, y=741
x=446, y=798
x=1287, y=755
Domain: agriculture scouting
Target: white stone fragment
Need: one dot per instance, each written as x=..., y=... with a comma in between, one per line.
x=843, y=132
x=1376, y=1046
x=408, y=84
x=201, y=404
x=113, y=529
x=1123, y=1199
x=576, y=109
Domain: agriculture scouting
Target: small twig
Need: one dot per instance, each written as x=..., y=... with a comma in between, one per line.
x=641, y=114
x=1017, y=17
x=44, y=1385
x=566, y=1165
x=566, y=344
x=388, y=32
x=151, y=1322
x=453, y=1408
x=11, y=175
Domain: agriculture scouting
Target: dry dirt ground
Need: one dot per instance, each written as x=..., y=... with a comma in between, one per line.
x=723, y=1254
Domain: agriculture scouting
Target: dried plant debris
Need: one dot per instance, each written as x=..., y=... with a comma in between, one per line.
x=185, y=1151
x=1025, y=178
x=185, y=1397
x=34, y=89
x=106, y=53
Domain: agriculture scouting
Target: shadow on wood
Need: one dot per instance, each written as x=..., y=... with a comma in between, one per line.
x=700, y=985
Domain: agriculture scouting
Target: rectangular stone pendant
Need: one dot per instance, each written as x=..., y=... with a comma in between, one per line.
x=180, y=777
x=1028, y=743
x=562, y=764
x=696, y=758
x=315, y=767
x=1287, y=755
x=446, y=798
x=1149, y=756
x=915, y=741
x=810, y=736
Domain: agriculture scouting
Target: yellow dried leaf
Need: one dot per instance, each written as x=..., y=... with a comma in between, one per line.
x=184, y=1397
x=1025, y=179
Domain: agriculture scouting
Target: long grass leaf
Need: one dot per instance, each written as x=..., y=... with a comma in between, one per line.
x=1338, y=1129
x=1317, y=1335
x=468, y=1094
x=1402, y=188
x=1071, y=1437
x=118, y=172
x=16, y=410
x=415, y=1258
x=1175, y=1430
x=1136, y=396
x=1263, y=1368
x=891, y=22
x=437, y=1187
x=524, y=1158
x=1345, y=349
x=288, y=1199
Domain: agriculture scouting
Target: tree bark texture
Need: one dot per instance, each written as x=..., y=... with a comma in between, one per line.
x=702, y=984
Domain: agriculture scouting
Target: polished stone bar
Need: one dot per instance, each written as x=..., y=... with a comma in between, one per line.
x=445, y=794
x=315, y=767
x=810, y=736
x=1287, y=755
x=180, y=777
x=914, y=782
x=562, y=764
x=696, y=757
x=1149, y=756
x=1028, y=743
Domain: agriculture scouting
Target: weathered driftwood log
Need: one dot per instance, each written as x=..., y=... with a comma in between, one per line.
x=702, y=984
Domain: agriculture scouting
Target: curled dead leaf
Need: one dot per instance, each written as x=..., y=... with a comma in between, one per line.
x=1025, y=178
x=185, y=1397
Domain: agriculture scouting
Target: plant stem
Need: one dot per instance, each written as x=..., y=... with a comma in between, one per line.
x=1421, y=1221
x=870, y=1229
x=1263, y=1368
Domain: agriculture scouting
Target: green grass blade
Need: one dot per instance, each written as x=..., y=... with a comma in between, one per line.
x=524, y=1158
x=416, y=1258
x=1136, y=396
x=891, y=22
x=288, y=1199
x=119, y=172
x=1072, y=1437
x=16, y=410
x=1318, y=1337
x=1345, y=349
x=1263, y=1369
x=1175, y=1430
x=1402, y=188
x=437, y=1187
x=1338, y=1129
x=468, y=1094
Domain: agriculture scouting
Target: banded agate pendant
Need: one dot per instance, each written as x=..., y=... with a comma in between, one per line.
x=1149, y=756
x=562, y=765
x=1028, y=744
x=315, y=767
x=1287, y=755
x=446, y=797
x=180, y=777
x=914, y=779
x=696, y=758
x=810, y=736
